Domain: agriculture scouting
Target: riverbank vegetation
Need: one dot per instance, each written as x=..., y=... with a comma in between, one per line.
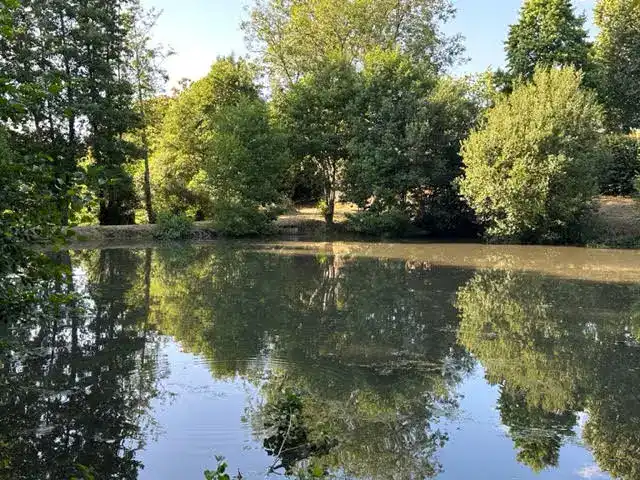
x=367, y=113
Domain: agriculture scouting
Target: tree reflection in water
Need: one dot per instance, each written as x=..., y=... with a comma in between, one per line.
x=362, y=354
x=556, y=348
x=357, y=361
x=78, y=373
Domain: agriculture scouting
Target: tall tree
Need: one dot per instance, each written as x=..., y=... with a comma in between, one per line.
x=29, y=188
x=406, y=140
x=548, y=34
x=317, y=113
x=296, y=36
x=42, y=61
x=109, y=95
x=148, y=77
x=66, y=62
x=617, y=53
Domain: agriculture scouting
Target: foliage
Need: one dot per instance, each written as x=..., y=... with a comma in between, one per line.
x=148, y=78
x=393, y=222
x=239, y=219
x=171, y=226
x=617, y=54
x=405, y=148
x=620, y=164
x=218, y=144
x=529, y=170
x=556, y=348
x=316, y=113
x=305, y=182
x=547, y=34
x=280, y=31
x=65, y=69
x=384, y=169
x=220, y=472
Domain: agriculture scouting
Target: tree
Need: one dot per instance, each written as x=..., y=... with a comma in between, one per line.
x=108, y=103
x=29, y=188
x=529, y=170
x=219, y=149
x=317, y=114
x=620, y=164
x=548, y=34
x=41, y=62
x=67, y=67
x=406, y=140
x=617, y=54
x=148, y=77
x=294, y=37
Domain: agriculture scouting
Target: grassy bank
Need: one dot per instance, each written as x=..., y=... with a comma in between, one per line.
x=616, y=223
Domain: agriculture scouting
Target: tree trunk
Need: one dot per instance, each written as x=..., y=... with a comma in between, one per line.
x=330, y=199
x=151, y=216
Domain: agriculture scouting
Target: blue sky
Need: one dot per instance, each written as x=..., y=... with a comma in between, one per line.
x=200, y=30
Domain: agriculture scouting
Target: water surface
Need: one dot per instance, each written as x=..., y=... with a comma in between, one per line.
x=357, y=360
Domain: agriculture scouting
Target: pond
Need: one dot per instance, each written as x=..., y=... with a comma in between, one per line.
x=350, y=360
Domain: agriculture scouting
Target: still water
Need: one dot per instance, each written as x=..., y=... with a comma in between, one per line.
x=351, y=360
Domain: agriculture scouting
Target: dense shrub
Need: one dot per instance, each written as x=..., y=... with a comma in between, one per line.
x=305, y=183
x=620, y=164
x=171, y=226
x=389, y=222
x=530, y=170
x=446, y=214
x=239, y=219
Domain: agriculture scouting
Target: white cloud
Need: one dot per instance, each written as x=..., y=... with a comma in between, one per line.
x=591, y=472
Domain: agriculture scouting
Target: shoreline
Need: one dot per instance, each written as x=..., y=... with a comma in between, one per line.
x=291, y=225
x=616, y=225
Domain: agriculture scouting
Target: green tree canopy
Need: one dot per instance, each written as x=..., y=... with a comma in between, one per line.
x=317, y=114
x=547, y=34
x=617, y=53
x=218, y=145
x=529, y=170
x=406, y=140
x=67, y=72
x=297, y=36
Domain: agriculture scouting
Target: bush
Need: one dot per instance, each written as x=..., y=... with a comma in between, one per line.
x=620, y=164
x=445, y=214
x=238, y=219
x=529, y=172
x=392, y=222
x=171, y=226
